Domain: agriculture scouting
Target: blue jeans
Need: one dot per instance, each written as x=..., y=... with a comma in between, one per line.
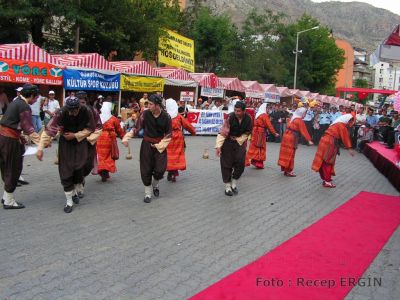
x=37, y=123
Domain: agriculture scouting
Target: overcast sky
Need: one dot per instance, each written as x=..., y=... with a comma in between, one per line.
x=392, y=5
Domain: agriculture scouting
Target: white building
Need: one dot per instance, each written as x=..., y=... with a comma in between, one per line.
x=386, y=77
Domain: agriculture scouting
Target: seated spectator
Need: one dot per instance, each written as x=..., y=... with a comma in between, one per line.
x=384, y=126
x=365, y=135
x=393, y=129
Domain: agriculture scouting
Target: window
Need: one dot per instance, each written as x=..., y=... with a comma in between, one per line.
x=380, y=80
x=380, y=71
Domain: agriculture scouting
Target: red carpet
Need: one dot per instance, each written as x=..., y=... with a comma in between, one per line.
x=389, y=154
x=338, y=247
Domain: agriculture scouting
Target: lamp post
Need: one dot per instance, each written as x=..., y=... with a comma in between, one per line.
x=297, y=52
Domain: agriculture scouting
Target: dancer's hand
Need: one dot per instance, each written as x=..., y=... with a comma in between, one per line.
x=125, y=143
x=39, y=155
x=310, y=143
x=276, y=134
x=69, y=136
x=218, y=152
x=352, y=153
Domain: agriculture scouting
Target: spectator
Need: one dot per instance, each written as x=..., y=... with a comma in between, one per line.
x=365, y=135
x=35, y=107
x=393, y=129
x=218, y=105
x=384, y=125
x=325, y=119
x=199, y=104
x=144, y=100
x=50, y=107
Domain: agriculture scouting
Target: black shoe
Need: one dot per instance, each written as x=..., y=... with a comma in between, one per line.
x=67, y=209
x=80, y=194
x=156, y=192
x=23, y=182
x=2, y=201
x=19, y=206
x=147, y=199
x=75, y=199
x=235, y=190
x=19, y=184
x=169, y=176
x=228, y=193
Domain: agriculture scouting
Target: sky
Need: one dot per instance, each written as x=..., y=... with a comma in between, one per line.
x=392, y=5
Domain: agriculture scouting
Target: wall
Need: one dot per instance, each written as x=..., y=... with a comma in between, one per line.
x=345, y=75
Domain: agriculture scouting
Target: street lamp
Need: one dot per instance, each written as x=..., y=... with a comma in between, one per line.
x=297, y=51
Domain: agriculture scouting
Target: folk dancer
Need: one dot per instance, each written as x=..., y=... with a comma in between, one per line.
x=153, y=155
x=290, y=140
x=231, y=146
x=76, y=123
x=107, y=140
x=17, y=119
x=176, y=148
x=328, y=148
x=257, y=153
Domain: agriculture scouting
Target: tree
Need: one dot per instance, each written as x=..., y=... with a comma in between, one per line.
x=320, y=59
x=215, y=38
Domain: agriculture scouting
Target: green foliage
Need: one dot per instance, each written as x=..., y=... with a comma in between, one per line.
x=261, y=50
x=361, y=83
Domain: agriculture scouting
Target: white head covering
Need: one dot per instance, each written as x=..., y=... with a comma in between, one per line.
x=105, y=113
x=261, y=110
x=343, y=119
x=172, y=107
x=299, y=113
x=231, y=107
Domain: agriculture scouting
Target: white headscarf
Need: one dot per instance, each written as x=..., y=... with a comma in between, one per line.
x=172, y=107
x=231, y=107
x=299, y=113
x=105, y=113
x=261, y=110
x=343, y=119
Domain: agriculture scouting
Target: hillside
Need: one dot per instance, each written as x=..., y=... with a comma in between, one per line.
x=361, y=24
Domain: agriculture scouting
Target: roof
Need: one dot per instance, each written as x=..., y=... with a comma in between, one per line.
x=208, y=80
x=83, y=60
x=271, y=88
x=26, y=51
x=135, y=67
x=232, y=84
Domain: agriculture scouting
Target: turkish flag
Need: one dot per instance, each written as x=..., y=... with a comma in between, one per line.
x=193, y=117
x=362, y=95
x=213, y=81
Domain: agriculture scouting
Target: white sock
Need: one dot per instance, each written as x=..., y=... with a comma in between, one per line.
x=9, y=198
x=155, y=183
x=228, y=187
x=79, y=188
x=69, y=195
x=147, y=191
x=234, y=183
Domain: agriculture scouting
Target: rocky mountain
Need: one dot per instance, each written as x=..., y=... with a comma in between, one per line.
x=361, y=24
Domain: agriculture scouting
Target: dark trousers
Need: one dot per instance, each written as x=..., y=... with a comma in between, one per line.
x=233, y=157
x=391, y=137
x=11, y=162
x=320, y=132
x=310, y=129
x=73, y=156
x=92, y=155
x=152, y=163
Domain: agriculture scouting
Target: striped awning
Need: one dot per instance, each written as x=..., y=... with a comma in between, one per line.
x=176, y=77
x=313, y=96
x=26, y=51
x=232, y=84
x=253, y=89
x=323, y=98
x=83, y=60
x=270, y=88
x=284, y=91
x=135, y=68
x=207, y=80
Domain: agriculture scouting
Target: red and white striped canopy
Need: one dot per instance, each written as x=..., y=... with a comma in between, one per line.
x=83, y=60
x=253, y=86
x=208, y=80
x=135, y=67
x=322, y=98
x=26, y=51
x=232, y=84
x=269, y=88
x=174, y=73
x=284, y=91
x=313, y=96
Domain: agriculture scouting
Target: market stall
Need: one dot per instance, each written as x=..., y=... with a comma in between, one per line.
x=178, y=84
x=233, y=86
x=28, y=63
x=271, y=93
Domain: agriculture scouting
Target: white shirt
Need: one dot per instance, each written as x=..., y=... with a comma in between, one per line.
x=35, y=107
x=52, y=106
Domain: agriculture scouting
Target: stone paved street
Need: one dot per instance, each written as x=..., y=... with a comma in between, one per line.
x=114, y=246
